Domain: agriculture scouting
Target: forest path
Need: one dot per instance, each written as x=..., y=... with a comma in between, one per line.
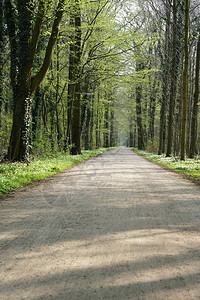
x=113, y=227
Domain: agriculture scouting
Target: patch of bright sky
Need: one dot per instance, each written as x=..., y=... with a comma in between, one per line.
x=124, y=9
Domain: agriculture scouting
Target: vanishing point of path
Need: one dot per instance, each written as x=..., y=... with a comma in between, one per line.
x=113, y=227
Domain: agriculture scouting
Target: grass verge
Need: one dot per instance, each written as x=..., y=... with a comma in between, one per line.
x=189, y=167
x=15, y=175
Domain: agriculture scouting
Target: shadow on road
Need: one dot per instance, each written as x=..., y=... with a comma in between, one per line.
x=115, y=227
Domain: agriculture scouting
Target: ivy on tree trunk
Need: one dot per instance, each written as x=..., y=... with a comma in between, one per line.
x=23, y=38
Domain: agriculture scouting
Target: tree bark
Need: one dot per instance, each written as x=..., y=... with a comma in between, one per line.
x=140, y=130
x=18, y=146
x=87, y=127
x=106, y=125
x=152, y=111
x=195, y=104
x=23, y=51
x=141, y=145
x=112, y=117
x=1, y=58
x=91, y=124
x=71, y=74
x=85, y=114
x=173, y=84
x=185, y=81
x=165, y=85
x=58, y=127
x=97, y=127
x=76, y=104
x=35, y=118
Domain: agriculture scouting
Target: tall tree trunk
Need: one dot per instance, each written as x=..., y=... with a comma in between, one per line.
x=190, y=99
x=71, y=75
x=178, y=122
x=106, y=126
x=131, y=144
x=51, y=135
x=44, y=113
x=165, y=85
x=23, y=52
x=1, y=58
x=100, y=132
x=18, y=146
x=152, y=111
x=86, y=132
x=195, y=104
x=91, y=144
x=57, y=96
x=141, y=145
x=112, y=117
x=131, y=132
x=76, y=105
x=97, y=127
x=85, y=114
x=58, y=127
x=185, y=81
x=162, y=123
x=35, y=109
x=173, y=83
x=135, y=133
x=140, y=130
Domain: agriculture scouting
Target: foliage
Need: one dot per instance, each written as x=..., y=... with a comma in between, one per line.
x=126, y=73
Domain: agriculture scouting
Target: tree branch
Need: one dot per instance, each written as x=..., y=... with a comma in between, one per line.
x=12, y=33
x=38, y=78
x=92, y=23
x=37, y=29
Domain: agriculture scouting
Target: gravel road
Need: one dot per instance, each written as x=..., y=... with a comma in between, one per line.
x=113, y=227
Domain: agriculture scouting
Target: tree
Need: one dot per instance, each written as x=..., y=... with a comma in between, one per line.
x=76, y=101
x=193, y=142
x=23, y=36
x=71, y=74
x=141, y=145
x=185, y=81
x=109, y=77
x=1, y=57
x=165, y=81
x=173, y=82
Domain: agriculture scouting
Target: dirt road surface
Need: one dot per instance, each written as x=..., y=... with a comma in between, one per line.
x=113, y=227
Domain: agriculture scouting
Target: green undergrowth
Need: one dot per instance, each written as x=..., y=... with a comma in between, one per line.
x=189, y=167
x=15, y=175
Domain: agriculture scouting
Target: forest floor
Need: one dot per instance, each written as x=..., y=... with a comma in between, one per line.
x=14, y=175
x=190, y=168
x=114, y=227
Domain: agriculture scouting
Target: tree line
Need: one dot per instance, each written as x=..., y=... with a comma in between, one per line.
x=85, y=74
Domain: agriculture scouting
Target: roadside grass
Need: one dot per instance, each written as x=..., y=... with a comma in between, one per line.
x=15, y=175
x=189, y=167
